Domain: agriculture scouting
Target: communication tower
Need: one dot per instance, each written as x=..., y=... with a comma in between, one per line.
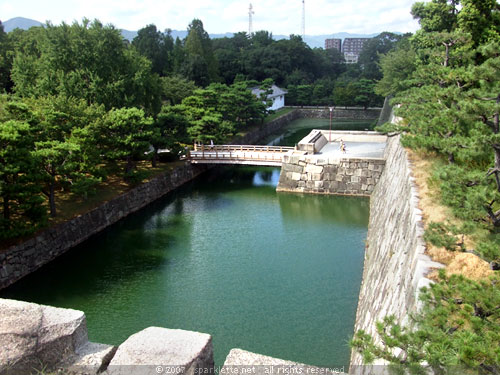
x=250, y=23
x=303, y=20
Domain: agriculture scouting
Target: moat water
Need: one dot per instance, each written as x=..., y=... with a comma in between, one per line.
x=275, y=274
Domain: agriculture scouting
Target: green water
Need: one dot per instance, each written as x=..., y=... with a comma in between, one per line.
x=276, y=274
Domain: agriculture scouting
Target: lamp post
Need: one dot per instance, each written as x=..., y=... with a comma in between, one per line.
x=330, y=133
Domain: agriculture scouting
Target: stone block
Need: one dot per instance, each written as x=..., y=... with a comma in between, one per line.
x=35, y=335
x=317, y=176
x=312, y=168
x=310, y=184
x=318, y=184
x=355, y=179
x=185, y=352
x=358, y=172
x=90, y=359
x=296, y=176
x=301, y=184
x=339, y=178
x=332, y=169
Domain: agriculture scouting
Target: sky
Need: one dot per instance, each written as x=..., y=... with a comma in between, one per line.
x=283, y=17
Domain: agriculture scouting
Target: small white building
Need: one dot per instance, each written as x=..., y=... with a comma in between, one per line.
x=277, y=96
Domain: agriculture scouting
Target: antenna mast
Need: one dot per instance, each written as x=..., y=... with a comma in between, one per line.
x=303, y=20
x=250, y=22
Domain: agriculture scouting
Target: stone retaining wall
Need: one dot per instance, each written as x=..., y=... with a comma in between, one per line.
x=305, y=172
x=314, y=174
x=340, y=113
x=395, y=262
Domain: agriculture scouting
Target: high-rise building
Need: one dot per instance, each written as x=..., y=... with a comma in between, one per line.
x=352, y=47
x=333, y=43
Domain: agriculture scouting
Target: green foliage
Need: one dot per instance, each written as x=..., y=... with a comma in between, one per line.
x=22, y=210
x=445, y=82
x=449, y=100
x=456, y=331
x=88, y=61
x=219, y=111
x=157, y=47
x=372, y=49
x=200, y=64
x=397, y=66
x=176, y=88
x=125, y=134
x=6, y=55
x=443, y=235
x=84, y=185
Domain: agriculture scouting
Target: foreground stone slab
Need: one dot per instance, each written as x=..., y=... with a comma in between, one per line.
x=89, y=359
x=157, y=350
x=242, y=362
x=34, y=336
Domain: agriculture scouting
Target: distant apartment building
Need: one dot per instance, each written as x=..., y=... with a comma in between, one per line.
x=352, y=47
x=333, y=43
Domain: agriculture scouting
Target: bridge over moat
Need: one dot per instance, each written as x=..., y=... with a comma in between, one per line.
x=271, y=156
x=315, y=165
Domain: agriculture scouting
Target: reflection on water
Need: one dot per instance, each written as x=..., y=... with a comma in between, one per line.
x=350, y=211
x=266, y=178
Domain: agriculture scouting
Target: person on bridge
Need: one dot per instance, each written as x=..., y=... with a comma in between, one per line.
x=211, y=144
x=342, y=146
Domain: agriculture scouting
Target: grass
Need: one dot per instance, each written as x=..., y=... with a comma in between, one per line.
x=278, y=113
x=70, y=206
x=466, y=264
x=267, y=120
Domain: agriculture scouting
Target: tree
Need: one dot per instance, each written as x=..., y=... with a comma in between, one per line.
x=22, y=207
x=88, y=61
x=370, y=55
x=169, y=130
x=175, y=88
x=125, y=134
x=397, y=67
x=455, y=331
x=449, y=101
x=157, y=47
x=54, y=158
x=201, y=65
x=6, y=54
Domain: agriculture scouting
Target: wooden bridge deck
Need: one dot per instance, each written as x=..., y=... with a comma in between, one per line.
x=239, y=154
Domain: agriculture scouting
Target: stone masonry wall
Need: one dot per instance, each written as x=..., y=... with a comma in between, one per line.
x=316, y=174
x=395, y=262
x=340, y=113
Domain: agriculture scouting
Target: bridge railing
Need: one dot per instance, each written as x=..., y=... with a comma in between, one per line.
x=223, y=153
x=242, y=148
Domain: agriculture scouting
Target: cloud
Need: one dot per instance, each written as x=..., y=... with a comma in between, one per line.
x=218, y=16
